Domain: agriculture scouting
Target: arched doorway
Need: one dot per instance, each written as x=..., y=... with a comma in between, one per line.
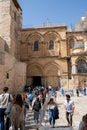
x=34, y=75
x=36, y=81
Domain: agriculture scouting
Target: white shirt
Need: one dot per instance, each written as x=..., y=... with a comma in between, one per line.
x=51, y=106
x=4, y=100
x=69, y=105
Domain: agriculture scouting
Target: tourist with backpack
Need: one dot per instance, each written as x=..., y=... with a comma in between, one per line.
x=36, y=108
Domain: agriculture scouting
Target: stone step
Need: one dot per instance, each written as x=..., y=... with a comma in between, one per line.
x=29, y=122
x=47, y=127
x=61, y=129
x=32, y=126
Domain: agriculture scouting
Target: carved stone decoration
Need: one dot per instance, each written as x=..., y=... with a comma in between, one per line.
x=74, y=69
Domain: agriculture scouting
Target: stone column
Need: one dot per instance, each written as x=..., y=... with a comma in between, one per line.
x=42, y=81
x=29, y=81
x=74, y=70
x=45, y=81
x=85, y=46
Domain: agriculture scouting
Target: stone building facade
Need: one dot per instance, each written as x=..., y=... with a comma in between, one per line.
x=12, y=71
x=53, y=55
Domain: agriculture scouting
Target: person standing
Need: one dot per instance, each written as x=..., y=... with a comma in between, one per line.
x=36, y=108
x=69, y=107
x=4, y=99
x=62, y=91
x=77, y=92
x=17, y=114
x=26, y=103
x=31, y=97
x=52, y=105
x=8, y=113
x=85, y=91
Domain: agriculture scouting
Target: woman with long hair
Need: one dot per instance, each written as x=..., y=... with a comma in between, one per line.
x=17, y=114
x=52, y=106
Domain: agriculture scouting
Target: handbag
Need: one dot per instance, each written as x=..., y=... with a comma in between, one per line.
x=55, y=113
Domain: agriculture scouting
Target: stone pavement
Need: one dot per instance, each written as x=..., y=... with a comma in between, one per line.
x=80, y=110
x=61, y=123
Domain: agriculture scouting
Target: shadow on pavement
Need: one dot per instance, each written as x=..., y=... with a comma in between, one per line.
x=64, y=127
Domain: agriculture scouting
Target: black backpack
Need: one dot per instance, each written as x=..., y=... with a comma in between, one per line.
x=37, y=106
x=56, y=113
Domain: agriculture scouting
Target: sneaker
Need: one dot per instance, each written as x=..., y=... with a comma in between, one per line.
x=51, y=126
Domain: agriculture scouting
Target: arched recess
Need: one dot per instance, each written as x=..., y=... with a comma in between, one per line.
x=81, y=76
x=35, y=37
x=34, y=69
x=52, y=35
x=71, y=40
x=79, y=58
x=81, y=64
x=52, y=73
x=52, y=69
x=71, y=37
x=32, y=39
x=56, y=39
x=34, y=74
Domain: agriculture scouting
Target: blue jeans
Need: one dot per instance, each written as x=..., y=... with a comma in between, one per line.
x=31, y=102
x=51, y=119
x=2, y=110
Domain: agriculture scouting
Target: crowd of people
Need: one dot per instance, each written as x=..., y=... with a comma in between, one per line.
x=11, y=111
x=13, y=108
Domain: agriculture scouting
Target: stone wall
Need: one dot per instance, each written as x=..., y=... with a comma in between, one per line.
x=12, y=74
x=12, y=71
x=43, y=36
x=10, y=24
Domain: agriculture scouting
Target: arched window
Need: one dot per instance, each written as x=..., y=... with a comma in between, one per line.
x=36, y=46
x=71, y=43
x=51, y=45
x=82, y=66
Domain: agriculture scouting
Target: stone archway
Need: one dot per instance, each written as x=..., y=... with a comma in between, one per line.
x=34, y=75
x=52, y=73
